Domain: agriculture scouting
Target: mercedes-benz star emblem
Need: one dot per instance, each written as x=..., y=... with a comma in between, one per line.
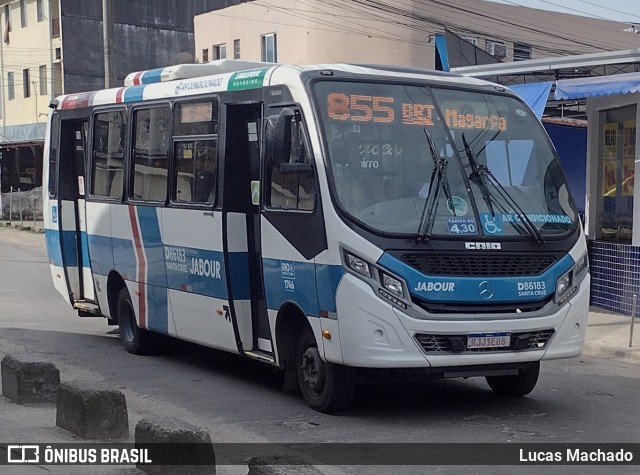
x=485, y=289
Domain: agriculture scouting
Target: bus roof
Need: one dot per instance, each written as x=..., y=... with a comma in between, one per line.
x=232, y=75
x=187, y=71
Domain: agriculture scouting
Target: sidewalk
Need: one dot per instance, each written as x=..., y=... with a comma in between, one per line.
x=26, y=225
x=608, y=336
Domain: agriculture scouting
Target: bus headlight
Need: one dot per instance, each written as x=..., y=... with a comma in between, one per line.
x=564, y=282
x=393, y=285
x=582, y=264
x=357, y=265
x=567, y=284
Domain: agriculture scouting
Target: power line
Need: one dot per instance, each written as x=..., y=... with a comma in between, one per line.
x=610, y=9
x=379, y=8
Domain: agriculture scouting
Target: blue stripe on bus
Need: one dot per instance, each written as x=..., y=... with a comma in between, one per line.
x=101, y=252
x=200, y=271
x=152, y=244
x=312, y=287
x=448, y=289
x=86, y=262
x=52, y=238
x=133, y=93
x=328, y=277
x=151, y=76
x=290, y=281
x=239, y=268
x=54, y=248
x=157, y=301
x=157, y=309
x=124, y=258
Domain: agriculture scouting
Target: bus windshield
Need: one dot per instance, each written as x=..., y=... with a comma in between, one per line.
x=448, y=162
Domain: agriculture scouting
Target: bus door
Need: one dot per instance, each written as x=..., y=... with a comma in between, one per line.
x=242, y=238
x=70, y=214
x=293, y=231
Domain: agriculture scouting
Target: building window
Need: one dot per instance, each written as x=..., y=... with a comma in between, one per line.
x=42, y=72
x=470, y=39
x=616, y=167
x=521, y=52
x=269, y=51
x=236, y=49
x=23, y=14
x=55, y=27
x=7, y=22
x=26, y=83
x=496, y=48
x=219, y=51
x=205, y=55
x=40, y=8
x=11, y=93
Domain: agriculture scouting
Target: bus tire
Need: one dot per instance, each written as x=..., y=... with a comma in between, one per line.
x=326, y=387
x=517, y=385
x=134, y=339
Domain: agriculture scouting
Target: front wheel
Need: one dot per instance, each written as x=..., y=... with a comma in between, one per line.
x=135, y=340
x=327, y=387
x=517, y=385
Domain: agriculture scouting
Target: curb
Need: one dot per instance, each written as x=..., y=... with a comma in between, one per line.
x=22, y=227
x=599, y=351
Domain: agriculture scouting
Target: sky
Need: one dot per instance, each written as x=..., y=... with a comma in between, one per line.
x=626, y=11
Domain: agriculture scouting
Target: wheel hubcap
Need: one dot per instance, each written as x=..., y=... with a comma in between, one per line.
x=313, y=370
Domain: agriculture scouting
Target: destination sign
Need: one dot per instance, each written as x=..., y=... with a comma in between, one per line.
x=386, y=110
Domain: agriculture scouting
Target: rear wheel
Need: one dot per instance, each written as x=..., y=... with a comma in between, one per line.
x=517, y=385
x=327, y=387
x=135, y=339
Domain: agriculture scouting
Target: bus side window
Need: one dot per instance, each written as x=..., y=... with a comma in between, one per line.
x=196, y=167
x=53, y=157
x=292, y=190
x=107, y=166
x=150, y=150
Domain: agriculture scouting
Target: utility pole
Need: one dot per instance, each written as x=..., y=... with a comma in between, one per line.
x=109, y=43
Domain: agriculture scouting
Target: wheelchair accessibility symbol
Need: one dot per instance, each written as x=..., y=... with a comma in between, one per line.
x=491, y=224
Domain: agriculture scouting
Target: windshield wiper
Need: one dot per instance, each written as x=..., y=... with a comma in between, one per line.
x=480, y=175
x=439, y=176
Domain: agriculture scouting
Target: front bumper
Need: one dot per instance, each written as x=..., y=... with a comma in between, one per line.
x=373, y=334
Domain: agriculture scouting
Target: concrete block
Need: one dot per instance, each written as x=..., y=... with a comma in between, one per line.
x=91, y=412
x=281, y=465
x=25, y=380
x=172, y=441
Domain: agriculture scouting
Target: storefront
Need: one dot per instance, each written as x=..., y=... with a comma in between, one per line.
x=612, y=211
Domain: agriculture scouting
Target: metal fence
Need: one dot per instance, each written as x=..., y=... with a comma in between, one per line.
x=21, y=206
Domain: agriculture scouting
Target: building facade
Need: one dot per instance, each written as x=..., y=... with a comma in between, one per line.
x=410, y=33
x=613, y=214
x=52, y=47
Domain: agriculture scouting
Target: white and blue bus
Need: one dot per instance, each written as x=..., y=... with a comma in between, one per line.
x=330, y=220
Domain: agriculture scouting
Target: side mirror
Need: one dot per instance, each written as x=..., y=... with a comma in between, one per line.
x=281, y=138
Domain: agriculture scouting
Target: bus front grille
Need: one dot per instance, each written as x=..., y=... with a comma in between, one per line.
x=521, y=341
x=486, y=265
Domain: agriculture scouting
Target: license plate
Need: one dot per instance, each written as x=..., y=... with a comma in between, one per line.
x=488, y=340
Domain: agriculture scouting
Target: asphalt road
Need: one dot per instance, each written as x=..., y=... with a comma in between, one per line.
x=579, y=400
